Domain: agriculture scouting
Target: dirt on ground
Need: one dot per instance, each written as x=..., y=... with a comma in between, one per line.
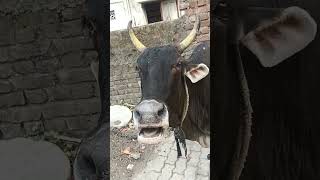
x=127, y=156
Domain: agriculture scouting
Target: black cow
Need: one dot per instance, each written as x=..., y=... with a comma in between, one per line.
x=92, y=160
x=266, y=57
x=175, y=92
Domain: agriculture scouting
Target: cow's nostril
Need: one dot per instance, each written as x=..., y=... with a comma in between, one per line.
x=161, y=111
x=137, y=114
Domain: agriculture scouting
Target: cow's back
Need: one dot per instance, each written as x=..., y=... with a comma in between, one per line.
x=285, y=99
x=197, y=121
x=285, y=104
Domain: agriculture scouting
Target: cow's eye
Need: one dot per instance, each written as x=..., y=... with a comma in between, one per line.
x=177, y=66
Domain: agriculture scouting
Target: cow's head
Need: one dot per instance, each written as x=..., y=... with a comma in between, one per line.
x=162, y=71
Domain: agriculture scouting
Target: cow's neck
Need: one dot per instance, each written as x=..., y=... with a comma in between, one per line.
x=186, y=100
x=177, y=103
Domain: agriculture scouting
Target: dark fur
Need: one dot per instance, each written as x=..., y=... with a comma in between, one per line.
x=285, y=98
x=92, y=160
x=154, y=66
x=197, y=121
x=162, y=79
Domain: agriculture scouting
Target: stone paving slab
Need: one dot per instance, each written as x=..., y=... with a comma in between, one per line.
x=164, y=164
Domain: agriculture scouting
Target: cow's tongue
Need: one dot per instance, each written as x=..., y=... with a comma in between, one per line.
x=150, y=132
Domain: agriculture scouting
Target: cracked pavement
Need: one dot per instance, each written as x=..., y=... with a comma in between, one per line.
x=164, y=164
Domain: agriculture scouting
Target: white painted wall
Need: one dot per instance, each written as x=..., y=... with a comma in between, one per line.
x=139, y=17
x=126, y=10
x=169, y=10
x=122, y=14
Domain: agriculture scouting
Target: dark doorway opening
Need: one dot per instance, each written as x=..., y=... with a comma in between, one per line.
x=153, y=11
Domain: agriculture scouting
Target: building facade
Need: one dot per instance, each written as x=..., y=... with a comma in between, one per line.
x=141, y=12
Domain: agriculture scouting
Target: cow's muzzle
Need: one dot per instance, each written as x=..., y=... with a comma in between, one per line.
x=151, y=119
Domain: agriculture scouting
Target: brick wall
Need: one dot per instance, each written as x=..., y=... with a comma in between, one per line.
x=45, y=80
x=200, y=8
x=124, y=79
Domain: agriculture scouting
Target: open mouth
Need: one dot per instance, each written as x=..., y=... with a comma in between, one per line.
x=151, y=120
x=151, y=135
x=151, y=132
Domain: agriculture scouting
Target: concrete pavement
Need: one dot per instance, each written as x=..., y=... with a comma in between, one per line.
x=164, y=164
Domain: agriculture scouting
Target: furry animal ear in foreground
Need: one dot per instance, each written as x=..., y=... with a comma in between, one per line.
x=288, y=33
x=196, y=72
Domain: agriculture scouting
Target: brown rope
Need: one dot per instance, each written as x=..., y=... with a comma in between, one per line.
x=186, y=104
x=244, y=134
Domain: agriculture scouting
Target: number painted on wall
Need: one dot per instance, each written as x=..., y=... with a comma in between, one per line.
x=112, y=15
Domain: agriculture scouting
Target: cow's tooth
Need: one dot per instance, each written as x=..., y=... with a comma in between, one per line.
x=150, y=132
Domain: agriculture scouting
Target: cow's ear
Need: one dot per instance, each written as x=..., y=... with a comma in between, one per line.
x=196, y=72
x=288, y=33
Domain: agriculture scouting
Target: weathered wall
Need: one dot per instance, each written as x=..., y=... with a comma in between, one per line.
x=123, y=76
x=45, y=79
x=200, y=8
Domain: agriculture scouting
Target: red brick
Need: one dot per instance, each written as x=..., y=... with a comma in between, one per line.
x=204, y=16
x=183, y=5
x=202, y=2
x=203, y=9
x=192, y=18
x=190, y=12
x=204, y=37
x=204, y=30
x=193, y=3
x=205, y=23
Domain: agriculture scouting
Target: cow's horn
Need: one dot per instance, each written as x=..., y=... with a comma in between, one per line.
x=134, y=39
x=192, y=35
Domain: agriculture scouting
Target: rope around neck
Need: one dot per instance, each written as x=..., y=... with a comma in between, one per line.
x=186, y=103
x=244, y=134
